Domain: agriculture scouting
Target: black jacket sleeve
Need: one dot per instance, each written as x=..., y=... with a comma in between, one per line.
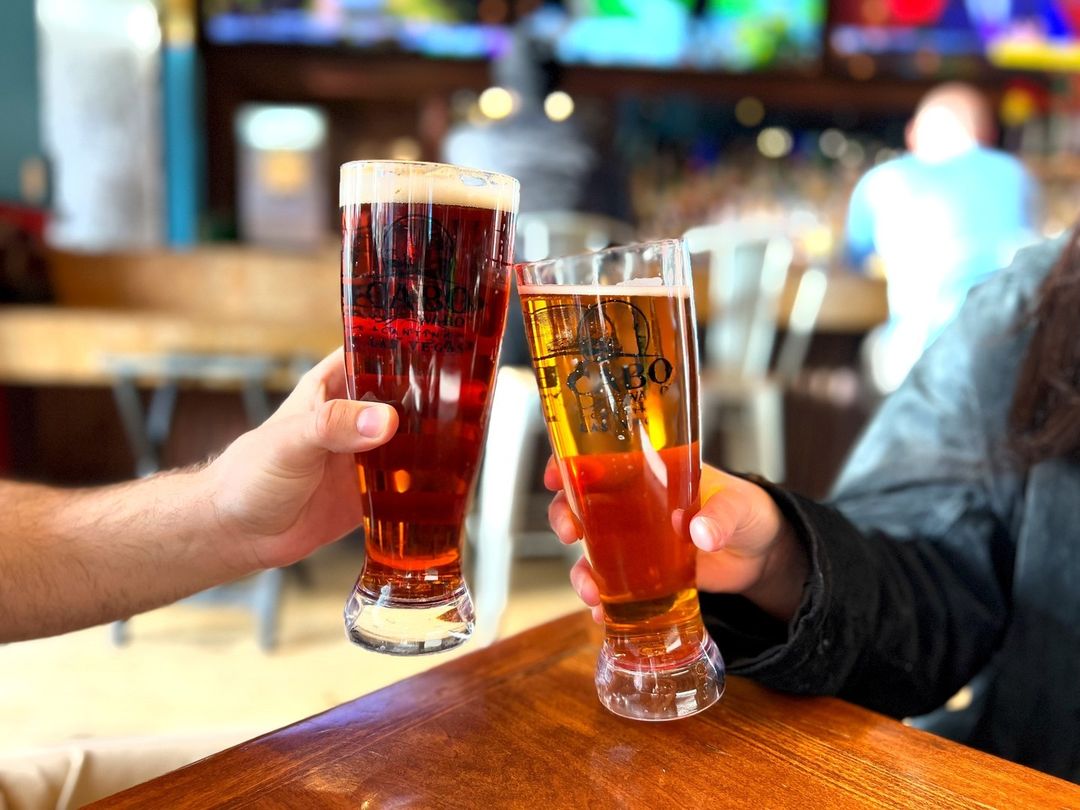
x=907, y=598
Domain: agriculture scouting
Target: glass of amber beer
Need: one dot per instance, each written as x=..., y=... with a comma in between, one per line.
x=427, y=253
x=612, y=336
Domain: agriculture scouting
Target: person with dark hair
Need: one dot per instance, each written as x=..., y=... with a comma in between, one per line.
x=949, y=555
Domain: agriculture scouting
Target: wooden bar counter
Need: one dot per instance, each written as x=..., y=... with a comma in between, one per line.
x=234, y=300
x=518, y=724
x=209, y=301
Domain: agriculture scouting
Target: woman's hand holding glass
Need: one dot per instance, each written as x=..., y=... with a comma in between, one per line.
x=744, y=543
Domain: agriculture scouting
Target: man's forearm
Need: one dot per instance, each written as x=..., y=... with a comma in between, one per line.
x=76, y=558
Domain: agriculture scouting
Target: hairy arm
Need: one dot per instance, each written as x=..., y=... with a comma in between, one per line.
x=80, y=557
x=75, y=558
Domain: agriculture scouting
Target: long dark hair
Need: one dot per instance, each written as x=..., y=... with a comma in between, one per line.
x=1045, y=416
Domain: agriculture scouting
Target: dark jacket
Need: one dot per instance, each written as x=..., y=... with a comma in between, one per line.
x=939, y=563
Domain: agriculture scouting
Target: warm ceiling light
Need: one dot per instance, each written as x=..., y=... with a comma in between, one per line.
x=558, y=106
x=749, y=111
x=775, y=142
x=496, y=102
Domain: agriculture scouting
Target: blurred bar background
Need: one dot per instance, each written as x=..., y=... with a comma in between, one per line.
x=168, y=239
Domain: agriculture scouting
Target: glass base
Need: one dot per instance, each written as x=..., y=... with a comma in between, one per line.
x=398, y=627
x=653, y=693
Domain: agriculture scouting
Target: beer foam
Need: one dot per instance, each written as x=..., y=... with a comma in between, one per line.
x=398, y=181
x=642, y=282
x=632, y=288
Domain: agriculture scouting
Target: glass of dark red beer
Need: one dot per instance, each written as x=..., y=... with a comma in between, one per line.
x=426, y=260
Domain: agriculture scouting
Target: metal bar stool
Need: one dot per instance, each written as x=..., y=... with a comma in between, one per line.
x=147, y=431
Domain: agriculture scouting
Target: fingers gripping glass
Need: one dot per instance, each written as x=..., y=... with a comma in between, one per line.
x=612, y=336
x=426, y=260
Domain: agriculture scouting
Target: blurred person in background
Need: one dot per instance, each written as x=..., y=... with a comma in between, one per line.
x=949, y=554
x=939, y=220
x=72, y=558
x=559, y=168
x=552, y=160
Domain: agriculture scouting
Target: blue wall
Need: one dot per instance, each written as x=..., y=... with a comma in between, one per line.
x=20, y=135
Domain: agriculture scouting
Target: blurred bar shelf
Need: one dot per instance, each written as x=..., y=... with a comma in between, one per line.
x=854, y=304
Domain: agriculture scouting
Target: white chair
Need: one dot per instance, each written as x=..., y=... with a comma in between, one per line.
x=742, y=391
x=516, y=447
x=506, y=486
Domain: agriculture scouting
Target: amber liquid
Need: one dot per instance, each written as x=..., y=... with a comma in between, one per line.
x=618, y=379
x=424, y=297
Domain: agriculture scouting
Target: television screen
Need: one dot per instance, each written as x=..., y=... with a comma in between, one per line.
x=1048, y=40
x=437, y=28
x=1010, y=33
x=736, y=35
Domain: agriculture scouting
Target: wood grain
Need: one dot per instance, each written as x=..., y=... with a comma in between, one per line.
x=226, y=283
x=518, y=725
x=208, y=301
x=70, y=346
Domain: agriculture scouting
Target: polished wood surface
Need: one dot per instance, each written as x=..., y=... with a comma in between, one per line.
x=518, y=725
x=62, y=346
x=213, y=282
x=215, y=300
x=853, y=304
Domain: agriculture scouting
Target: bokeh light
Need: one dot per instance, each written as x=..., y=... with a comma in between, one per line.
x=558, y=106
x=831, y=142
x=749, y=111
x=496, y=102
x=775, y=142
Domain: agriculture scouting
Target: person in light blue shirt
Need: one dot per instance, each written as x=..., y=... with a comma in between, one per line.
x=940, y=219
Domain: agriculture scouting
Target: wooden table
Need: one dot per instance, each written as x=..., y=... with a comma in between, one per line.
x=518, y=725
x=71, y=346
x=853, y=304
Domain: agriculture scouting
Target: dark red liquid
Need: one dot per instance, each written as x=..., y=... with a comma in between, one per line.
x=424, y=297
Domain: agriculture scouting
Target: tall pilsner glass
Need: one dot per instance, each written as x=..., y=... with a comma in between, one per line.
x=427, y=252
x=612, y=335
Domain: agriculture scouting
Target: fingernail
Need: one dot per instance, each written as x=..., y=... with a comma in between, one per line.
x=373, y=421
x=567, y=529
x=705, y=532
x=574, y=582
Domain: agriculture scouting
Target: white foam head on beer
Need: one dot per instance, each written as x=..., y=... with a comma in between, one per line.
x=390, y=181
x=653, y=287
x=642, y=282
